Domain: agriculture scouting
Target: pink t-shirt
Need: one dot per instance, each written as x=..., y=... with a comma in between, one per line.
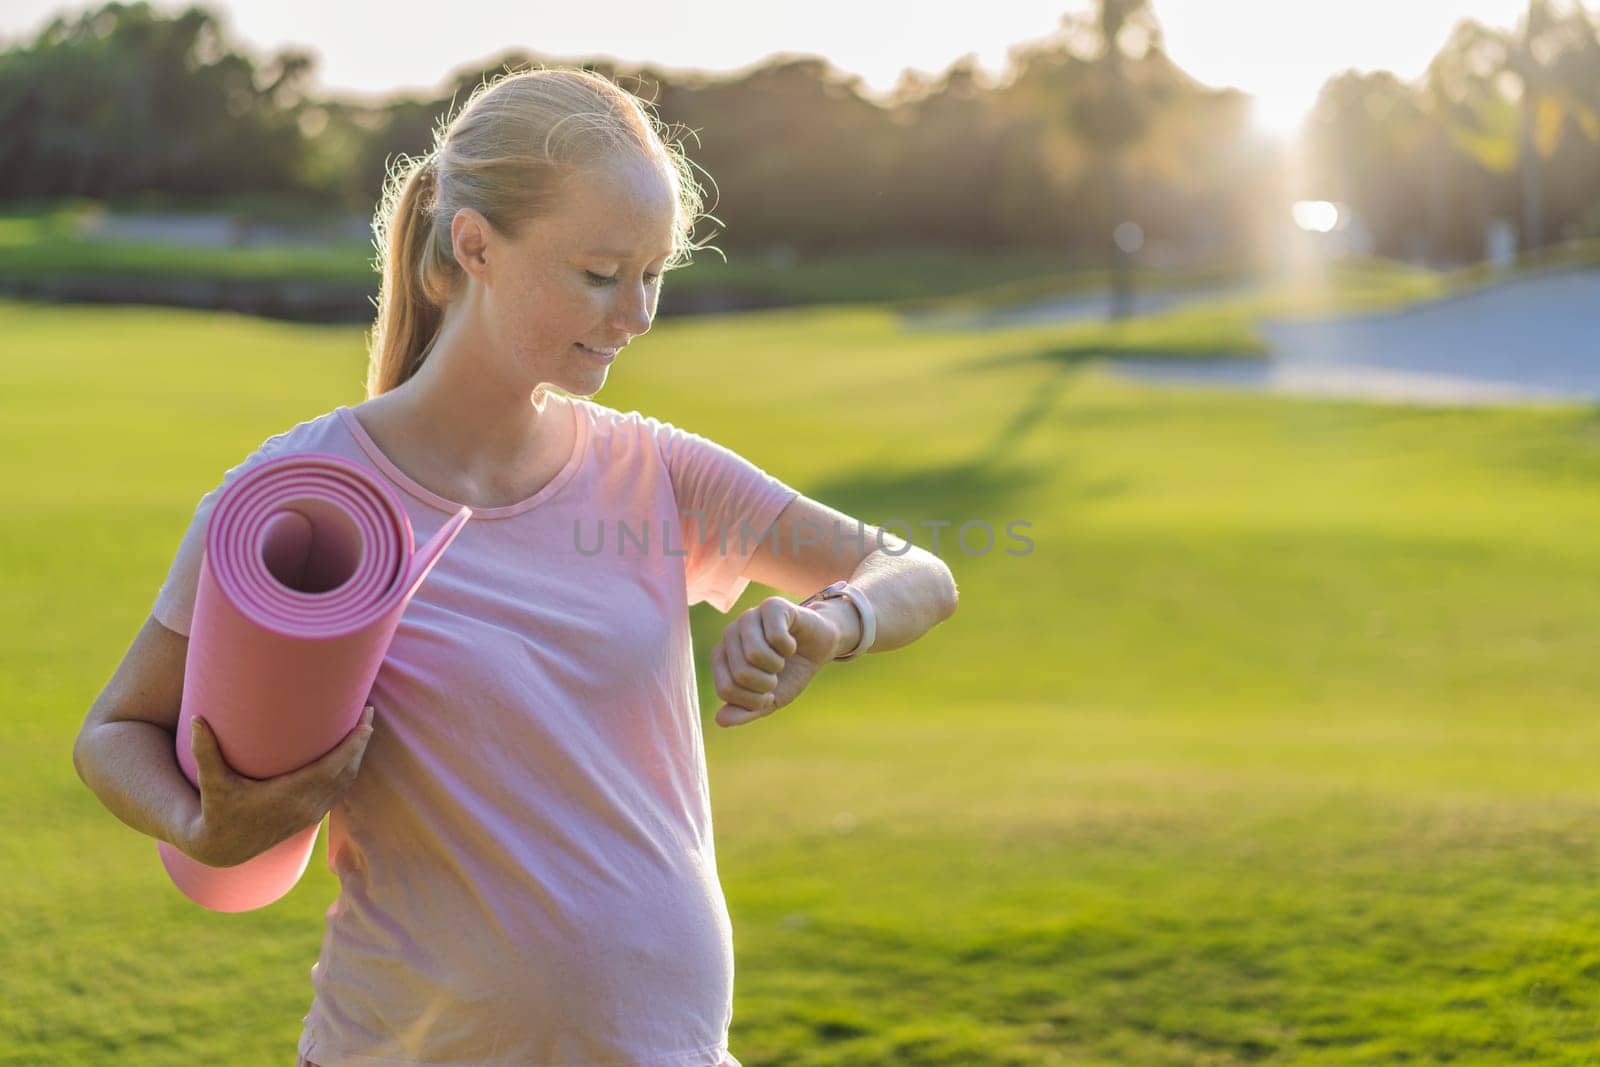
x=526, y=867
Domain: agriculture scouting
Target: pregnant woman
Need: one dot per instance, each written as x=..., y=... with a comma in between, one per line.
x=521, y=826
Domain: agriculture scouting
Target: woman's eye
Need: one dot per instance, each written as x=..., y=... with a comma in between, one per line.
x=604, y=279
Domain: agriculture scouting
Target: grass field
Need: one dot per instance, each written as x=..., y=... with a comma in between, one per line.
x=1278, y=747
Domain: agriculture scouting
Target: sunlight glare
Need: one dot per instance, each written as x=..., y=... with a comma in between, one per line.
x=1316, y=216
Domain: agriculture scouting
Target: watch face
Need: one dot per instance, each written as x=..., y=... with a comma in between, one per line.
x=830, y=592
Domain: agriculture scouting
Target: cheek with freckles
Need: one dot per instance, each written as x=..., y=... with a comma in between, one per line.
x=545, y=331
x=544, y=313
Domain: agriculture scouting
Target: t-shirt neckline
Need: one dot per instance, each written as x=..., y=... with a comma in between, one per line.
x=432, y=499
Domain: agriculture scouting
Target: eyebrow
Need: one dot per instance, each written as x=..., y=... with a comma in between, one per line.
x=613, y=253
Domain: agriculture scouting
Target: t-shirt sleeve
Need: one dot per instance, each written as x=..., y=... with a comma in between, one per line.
x=726, y=505
x=174, y=604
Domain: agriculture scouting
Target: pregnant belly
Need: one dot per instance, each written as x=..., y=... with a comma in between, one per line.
x=583, y=972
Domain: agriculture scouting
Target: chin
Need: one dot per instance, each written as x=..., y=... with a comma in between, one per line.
x=586, y=385
x=573, y=380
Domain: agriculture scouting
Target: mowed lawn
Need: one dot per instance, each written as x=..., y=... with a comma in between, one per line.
x=1279, y=746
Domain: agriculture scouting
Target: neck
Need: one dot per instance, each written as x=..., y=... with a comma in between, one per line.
x=473, y=418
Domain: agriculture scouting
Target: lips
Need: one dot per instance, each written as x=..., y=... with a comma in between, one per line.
x=601, y=353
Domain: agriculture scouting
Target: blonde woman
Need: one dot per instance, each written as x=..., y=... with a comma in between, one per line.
x=522, y=829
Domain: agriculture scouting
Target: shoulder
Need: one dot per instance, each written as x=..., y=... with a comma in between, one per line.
x=615, y=434
x=311, y=434
x=609, y=428
x=317, y=434
x=609, y=420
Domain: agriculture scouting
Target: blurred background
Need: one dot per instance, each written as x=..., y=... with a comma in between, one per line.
x=1271, y=326
x=1205, y=143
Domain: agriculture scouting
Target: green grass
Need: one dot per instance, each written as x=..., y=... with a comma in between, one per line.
x=43, y=242
x=917, y=279
x=1277, y=748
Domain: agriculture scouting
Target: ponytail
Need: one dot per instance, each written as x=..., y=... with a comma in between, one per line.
x=417, y=275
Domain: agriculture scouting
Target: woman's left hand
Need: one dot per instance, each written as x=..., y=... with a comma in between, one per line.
x=767, y=656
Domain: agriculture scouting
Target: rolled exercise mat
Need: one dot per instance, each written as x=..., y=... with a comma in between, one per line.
x=309, y=562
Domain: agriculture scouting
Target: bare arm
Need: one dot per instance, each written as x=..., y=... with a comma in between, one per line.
x=911, y=590
x=125, y=751
x=769, y=653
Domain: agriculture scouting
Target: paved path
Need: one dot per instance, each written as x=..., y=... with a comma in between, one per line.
x=1528, y=341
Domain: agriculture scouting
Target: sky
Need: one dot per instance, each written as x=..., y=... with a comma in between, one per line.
x=1279, y=51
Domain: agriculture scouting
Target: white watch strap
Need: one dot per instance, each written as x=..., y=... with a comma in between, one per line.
x=869, y=620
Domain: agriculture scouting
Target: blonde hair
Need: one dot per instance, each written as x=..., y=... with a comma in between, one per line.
x=506, y=155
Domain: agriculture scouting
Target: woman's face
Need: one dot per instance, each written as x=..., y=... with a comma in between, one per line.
x=576, y=285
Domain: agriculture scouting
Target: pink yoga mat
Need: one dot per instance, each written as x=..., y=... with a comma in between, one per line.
x=309, y=563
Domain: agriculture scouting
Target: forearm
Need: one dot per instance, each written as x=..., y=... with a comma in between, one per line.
x=910, y=594
x=133, y=768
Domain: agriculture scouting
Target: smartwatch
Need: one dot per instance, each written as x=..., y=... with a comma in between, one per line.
x=843, y=590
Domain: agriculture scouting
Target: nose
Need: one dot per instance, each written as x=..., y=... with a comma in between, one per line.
x=635, y=308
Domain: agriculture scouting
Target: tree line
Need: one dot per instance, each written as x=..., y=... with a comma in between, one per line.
x=1504, y=124
x=1086, y=129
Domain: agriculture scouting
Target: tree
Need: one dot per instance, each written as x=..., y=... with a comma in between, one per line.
x=1112, y=115
x=1509, y=96
x=126, y=99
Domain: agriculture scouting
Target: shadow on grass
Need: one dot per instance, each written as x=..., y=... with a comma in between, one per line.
x=993, y=485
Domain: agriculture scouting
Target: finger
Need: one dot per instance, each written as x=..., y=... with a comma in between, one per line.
x=777, y=616
x=209, y=765
x=719, y=670
x=731, y=715
x=758, y=652
x=197, y=752
x=748, y=679
x=729, y=689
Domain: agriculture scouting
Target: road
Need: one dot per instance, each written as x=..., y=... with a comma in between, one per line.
x=1528, y=341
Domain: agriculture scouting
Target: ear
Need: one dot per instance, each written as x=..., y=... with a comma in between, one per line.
x=470, y=238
